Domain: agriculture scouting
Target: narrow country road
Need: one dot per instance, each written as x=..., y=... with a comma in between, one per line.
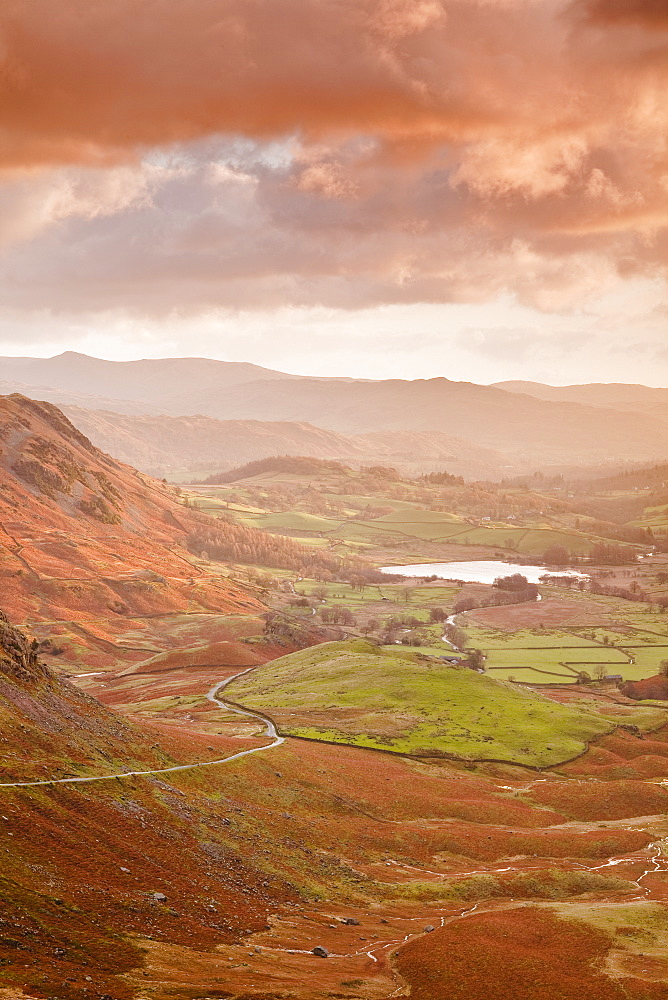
x=212, y=695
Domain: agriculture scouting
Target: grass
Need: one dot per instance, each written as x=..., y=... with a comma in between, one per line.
x=353, y=692
x=392, y=596
x=291, y=520
x=639, y=927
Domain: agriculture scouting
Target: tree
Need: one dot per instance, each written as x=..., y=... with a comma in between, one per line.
x=465, y=604
x=456, y=636
x=437, y=615
x=600, y=671
x=556, y=555
x=663, y=668
x=476, y=659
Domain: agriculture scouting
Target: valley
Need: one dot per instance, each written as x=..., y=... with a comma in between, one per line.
x=239, y=761
x=333, y=500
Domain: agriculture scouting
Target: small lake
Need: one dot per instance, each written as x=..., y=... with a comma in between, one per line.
x=478, y=571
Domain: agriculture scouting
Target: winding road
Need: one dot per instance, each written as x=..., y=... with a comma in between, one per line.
x=212, y=695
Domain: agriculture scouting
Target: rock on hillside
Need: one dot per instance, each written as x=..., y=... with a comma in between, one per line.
x=83, y=535
x=18, y=657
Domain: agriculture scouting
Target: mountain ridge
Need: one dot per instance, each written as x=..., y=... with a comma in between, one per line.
x=158, y=444
x=517, y=424
x=82, y=534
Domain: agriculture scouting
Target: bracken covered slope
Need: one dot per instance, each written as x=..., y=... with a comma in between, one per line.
x=81, y=534
x=80, y=862
x=50, y=729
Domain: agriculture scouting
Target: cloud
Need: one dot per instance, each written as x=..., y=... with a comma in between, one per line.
x=163, y=156
x=648, y=14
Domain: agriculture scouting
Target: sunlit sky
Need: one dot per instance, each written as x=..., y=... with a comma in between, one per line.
x=379, y=188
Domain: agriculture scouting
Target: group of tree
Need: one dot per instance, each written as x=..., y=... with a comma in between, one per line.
x=240, y=544
x=441, y=479
x=518, y=587
x=566, y=580
x=611, y=555
x=556, y=555
x=622, y=532
x=300, y=465
x=226, y=541
x=336, y=614
x=632, y=593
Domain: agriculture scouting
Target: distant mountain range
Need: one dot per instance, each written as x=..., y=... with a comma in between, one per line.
x=609, y=396
x=518, y=425
x=168, y=446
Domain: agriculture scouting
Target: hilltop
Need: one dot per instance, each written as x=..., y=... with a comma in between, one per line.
x=395, y=699
x=608, y=395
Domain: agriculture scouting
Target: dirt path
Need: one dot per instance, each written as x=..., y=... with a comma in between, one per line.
x=269, y=729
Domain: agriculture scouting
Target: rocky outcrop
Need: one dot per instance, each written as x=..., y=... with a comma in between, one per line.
x=18, y=654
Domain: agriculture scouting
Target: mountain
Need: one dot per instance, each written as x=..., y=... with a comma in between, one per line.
x=81, y=534
x=164, y=445
x=64, y=397
x=608, y=395
x=168, y=385
x=527, y=429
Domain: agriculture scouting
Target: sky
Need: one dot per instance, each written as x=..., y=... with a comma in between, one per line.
x=381, y=188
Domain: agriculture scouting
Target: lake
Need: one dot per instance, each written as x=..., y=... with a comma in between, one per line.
x=477, y=571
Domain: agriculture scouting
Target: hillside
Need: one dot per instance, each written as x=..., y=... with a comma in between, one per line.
x=166, y=445
x=391, y=699
x=52, y=729
x=653, y=477
x=220, y=881
x=94, y=871
x=81, y=534
x=63, y=397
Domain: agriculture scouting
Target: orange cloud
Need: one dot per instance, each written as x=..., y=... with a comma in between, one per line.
x=386, y=150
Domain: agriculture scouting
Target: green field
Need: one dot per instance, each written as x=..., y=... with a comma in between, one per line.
x=290, y=520
x=341, y=515
x=401, y=701
x=636, y=640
